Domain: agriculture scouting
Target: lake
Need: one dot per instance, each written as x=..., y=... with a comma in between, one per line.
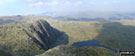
x=93, y=42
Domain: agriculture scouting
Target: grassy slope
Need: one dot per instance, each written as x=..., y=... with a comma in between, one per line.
x=78, y=30
x=118, y=34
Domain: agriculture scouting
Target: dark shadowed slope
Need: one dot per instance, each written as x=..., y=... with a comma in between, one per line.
x=2, y=53
x=118, y=36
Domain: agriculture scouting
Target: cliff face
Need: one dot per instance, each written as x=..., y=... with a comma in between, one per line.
x=75, y=51
x=30, y=37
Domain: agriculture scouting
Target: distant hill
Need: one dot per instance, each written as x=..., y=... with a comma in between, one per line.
x=91, y=16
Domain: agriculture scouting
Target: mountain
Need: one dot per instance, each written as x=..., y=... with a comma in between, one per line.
x=15, y=37
x=76, y=51
x=91, y=16
x=31, y=37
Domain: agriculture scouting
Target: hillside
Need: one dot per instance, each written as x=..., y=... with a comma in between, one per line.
x=30, y=37
x=75, y=51
x=117, y=34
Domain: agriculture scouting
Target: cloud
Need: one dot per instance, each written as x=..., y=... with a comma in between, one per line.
x=56, y=3
x=111, y=2
x=6, y=1
x=78, y=3
x=30, y=0
x=53, y=3
x=40, y=3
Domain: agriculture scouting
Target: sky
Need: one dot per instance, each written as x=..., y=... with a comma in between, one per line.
x=24, y=7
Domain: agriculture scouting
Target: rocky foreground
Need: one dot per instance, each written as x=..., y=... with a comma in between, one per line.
x=76, y=51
